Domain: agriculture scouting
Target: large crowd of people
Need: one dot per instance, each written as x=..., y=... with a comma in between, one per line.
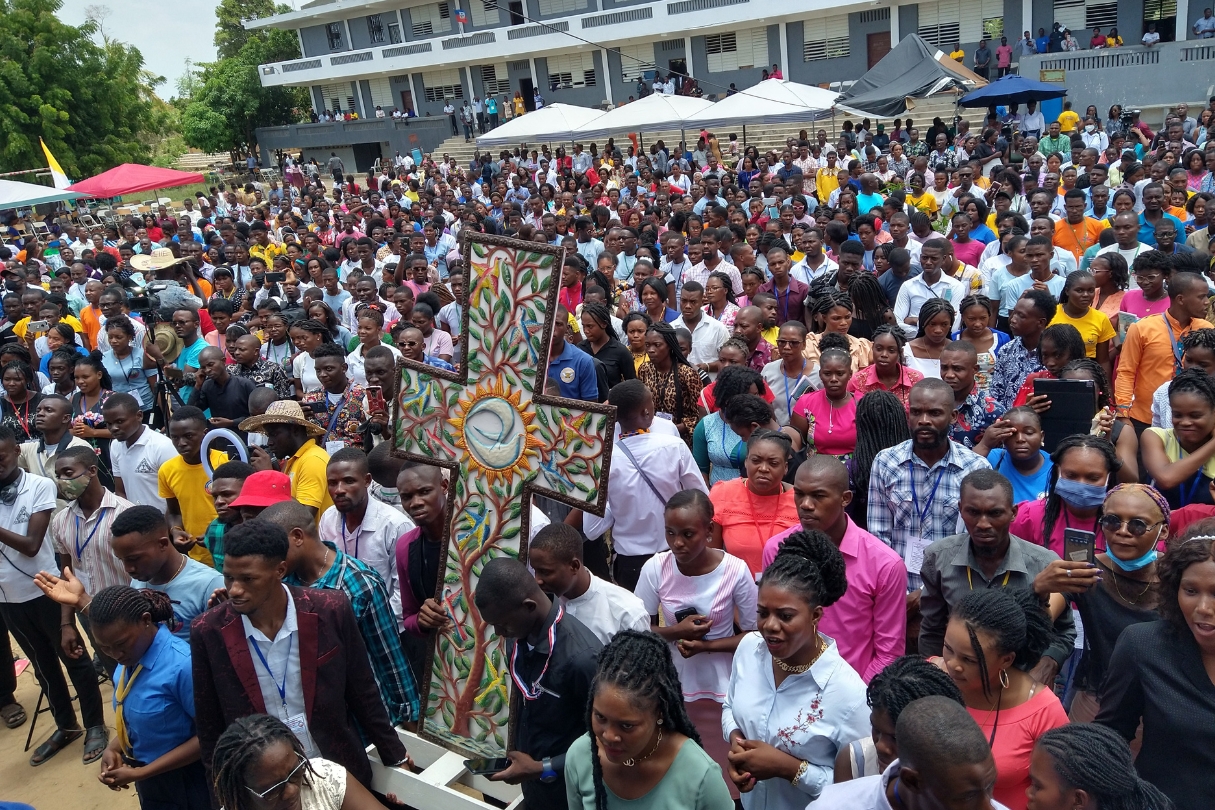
x=993, y=587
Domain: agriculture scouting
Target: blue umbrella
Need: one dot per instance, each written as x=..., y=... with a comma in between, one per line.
x=1012, y=89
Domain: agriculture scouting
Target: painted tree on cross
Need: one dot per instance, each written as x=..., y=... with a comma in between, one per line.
x=490, y=425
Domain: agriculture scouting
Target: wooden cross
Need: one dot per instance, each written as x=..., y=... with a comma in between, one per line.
x=490, y=424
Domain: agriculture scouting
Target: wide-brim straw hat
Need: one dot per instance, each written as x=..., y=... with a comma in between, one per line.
x=282, y=412
x=158, y=259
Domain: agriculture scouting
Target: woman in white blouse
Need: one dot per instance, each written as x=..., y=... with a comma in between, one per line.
x=793, y=702
x=259, y=763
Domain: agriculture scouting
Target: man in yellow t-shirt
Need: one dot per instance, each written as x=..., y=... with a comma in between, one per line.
x=1068, y=119
x=182, y=482
x=292, y=438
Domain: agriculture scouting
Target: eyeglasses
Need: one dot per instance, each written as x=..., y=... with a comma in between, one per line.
x=272, y=794
x=1136, y=526
x=780, y=342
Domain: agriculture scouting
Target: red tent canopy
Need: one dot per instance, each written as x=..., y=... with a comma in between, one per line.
x=130, y=178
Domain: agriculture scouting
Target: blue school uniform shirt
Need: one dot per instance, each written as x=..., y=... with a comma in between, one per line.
x=159, y=709
x=1025, y=487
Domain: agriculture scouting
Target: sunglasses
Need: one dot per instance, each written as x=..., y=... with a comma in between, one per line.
x=1136, y=526
x=272, y=794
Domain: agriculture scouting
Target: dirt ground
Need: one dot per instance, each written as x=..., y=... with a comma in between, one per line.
x=63, y=782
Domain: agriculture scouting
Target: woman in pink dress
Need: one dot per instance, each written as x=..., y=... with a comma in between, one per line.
x=827, y=418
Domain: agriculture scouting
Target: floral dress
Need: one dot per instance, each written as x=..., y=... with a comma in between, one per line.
x=727, y=316
x=89, y=415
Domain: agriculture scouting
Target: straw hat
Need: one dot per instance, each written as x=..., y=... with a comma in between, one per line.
x=282, y=412
x=167, y=341
x=158, y=259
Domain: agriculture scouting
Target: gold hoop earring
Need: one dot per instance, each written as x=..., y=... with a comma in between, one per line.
x=1004, y=678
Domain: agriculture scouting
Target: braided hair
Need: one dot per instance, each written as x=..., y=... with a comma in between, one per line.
x=122, y=603
x=639, y=664
x=881, y=422
x=602, y=316
x=1054, y=504
x=1018, y=622
x=896, y=334
x=906, y=679
x=315, y=327
x=1091, y=367
x=1064, y=337
x=932, y=308
x=725, y=282
x=828, y=300
x=735, y=380
x=1198, y=339
x=810, y=564
x=868, y=298
x=667, y=333
x=239, y=750
x=1193, y=381
x=1070, y=282
x=1095, y=759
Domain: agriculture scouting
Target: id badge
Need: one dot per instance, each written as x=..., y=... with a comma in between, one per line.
x=333, y=447
x=298, y=723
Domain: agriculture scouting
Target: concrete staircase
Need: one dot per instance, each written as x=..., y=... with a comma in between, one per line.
x=763, y=136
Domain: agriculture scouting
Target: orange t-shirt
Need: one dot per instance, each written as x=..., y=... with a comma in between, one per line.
x=1077, y=238
x=90, y=320
x=748, y=521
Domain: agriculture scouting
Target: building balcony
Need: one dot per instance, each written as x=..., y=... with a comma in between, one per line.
x=668, y=19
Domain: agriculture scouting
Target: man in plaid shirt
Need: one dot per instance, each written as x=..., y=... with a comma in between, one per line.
x=914, y=487
x=314, y=564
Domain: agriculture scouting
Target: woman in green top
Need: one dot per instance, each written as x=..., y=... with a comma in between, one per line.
x=643, y=752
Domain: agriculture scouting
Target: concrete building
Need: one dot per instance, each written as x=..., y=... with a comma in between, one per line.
x=360, y=54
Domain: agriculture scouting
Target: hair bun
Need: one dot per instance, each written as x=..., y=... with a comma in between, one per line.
x=817, y=549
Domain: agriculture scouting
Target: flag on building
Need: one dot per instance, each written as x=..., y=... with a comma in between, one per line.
x=57, y=173
x=461, y=16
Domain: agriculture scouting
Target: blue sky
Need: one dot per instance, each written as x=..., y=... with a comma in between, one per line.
x=165, y=33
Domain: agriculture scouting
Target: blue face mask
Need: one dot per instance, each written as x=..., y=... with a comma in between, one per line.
x=1137, y=563
x=1080, y=495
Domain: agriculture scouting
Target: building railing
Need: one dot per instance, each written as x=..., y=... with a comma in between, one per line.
x=688, y=6
x=536, y=30
x=406, y=50
x=1103, y=59
x=617, y=17
x=481, y=38
x=351, y=58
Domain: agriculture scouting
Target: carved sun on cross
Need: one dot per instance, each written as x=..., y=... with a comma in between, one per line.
x=494, y=432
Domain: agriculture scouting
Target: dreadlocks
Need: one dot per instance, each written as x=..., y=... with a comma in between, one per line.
x=1096, y=760
x=639, y=664
x=239, y=750
x=1066, y=445
x=868, y=299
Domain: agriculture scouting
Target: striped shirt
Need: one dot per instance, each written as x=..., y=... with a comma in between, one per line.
x=377, y=625
x=86, y=542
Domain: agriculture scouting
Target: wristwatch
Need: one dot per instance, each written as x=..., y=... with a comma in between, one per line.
x=547, y=774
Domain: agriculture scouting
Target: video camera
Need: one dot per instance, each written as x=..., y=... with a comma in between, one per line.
x=155, y=302
x=1127, y=116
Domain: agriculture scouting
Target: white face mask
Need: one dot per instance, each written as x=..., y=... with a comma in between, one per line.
x=1089, y=127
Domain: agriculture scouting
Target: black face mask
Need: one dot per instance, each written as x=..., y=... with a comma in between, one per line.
x=12, y=286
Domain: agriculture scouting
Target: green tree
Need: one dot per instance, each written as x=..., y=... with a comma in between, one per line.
x=92, y=104
x=231, y=103
x=230, y=16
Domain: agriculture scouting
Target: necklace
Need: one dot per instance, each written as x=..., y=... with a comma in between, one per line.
x=1147, y=587
x=324, y=568
x=831, y=408
x=630, y=762
x=797, y=670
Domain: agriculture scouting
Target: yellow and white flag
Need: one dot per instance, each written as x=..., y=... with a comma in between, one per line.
x=57, y=174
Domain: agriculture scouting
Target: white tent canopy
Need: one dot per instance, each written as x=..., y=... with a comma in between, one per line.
x=22, y=195
x=655, y=112
x=769, y=102
x=554, y=122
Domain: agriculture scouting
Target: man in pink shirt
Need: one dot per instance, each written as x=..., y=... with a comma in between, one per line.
x=869, y=623
x=1003, y=58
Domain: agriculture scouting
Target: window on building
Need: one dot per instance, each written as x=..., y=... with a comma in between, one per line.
x=484, y=12
x=571, y=70
x=394, y=33
x=951, y=21
x=441, y=84
x=334, y=33
x=381, y=94
x=635, y=60
x=338, y=96
x=736, y=50
x=431, y=19
x=495, y=80
x=375, y=28
x=826, y=38
x=1082, y=15
x=549, y=8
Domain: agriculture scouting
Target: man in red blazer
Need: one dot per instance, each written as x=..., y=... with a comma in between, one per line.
x=293, y=653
